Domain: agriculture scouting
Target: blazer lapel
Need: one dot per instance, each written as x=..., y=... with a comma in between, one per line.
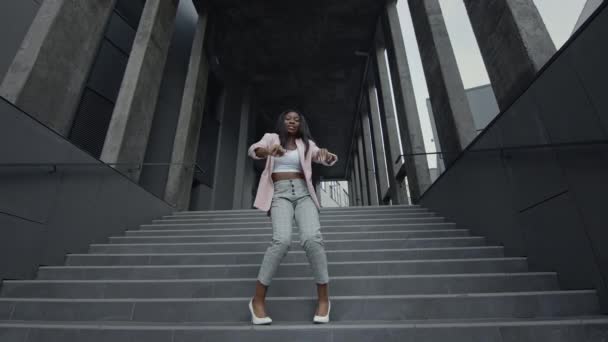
x=271, y=162
x=300, y=145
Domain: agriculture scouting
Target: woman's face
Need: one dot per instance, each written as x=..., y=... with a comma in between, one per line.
x=292, y=122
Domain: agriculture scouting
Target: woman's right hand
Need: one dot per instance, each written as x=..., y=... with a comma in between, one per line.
x=275, y=150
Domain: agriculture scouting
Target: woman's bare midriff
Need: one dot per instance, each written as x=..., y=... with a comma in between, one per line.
x=279, y=176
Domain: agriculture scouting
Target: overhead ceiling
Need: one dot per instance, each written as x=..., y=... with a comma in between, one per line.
x=298, y=54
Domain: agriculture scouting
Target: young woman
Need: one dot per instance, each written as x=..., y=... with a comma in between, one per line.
x=286, y=190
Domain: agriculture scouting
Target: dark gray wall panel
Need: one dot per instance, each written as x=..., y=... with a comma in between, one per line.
x=120, y=33
x=491, y=193
x=131, y=11
x=91, y=122
x=548, y=204
x=21, y=241
x=585, y=55
x=108, y=70
x=66, y=220
x=586, y=170
x=45, y=215
x=555, y=242
x=565, y=109
x=18, y=184
x=16, y=18
x=533, y=173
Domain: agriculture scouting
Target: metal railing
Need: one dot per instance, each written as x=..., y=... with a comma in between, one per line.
x=134, y=166
x=504, y=149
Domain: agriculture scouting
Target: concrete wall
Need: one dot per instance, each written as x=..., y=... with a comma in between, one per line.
x=16, y=18
x=547, y=204
x=169, y=101
x=45, y=215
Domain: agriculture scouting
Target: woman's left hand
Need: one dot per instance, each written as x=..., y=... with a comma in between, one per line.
x=326, y=156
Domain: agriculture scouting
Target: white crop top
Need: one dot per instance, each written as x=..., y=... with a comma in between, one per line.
x=289, y=162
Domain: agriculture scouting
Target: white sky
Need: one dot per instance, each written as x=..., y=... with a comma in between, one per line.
x=560, y=17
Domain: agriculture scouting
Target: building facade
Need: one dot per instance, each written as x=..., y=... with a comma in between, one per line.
x=129, y=120
x=334, y=194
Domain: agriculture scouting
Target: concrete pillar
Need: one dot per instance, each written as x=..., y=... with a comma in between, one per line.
x=227, y=146
x=351, y=189
x=49, y=72
x=388, y=120
x=514, y=43
x=187, y=134
x=369, y=160
x=378, y=142
x=451, y=110
x=317, y=185
x=129, y=128
x=363, y=171
x=412, y=139
x=358, y=192
x=439, y=156
x=244, y=165
x=351, y=198
x=405, y=186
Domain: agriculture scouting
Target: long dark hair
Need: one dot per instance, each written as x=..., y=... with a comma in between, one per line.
x=302, y=133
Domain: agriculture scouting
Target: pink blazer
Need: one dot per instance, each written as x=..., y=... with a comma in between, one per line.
x=263, y=197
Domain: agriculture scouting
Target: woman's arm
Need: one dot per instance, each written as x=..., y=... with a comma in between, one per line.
x=263, y=143
x=317, y=153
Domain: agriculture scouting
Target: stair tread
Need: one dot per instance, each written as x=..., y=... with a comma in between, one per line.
x=291, y=298
x=293, y=264
x=296, y=233
x=435, y=323
x=298, y=251
x=393, y=276
x=293, y=241
x=402, y=225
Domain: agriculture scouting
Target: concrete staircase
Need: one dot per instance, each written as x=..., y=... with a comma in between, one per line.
x=398, y=273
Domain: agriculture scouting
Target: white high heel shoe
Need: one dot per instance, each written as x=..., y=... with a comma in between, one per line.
x=255, y=319
x=323, y=319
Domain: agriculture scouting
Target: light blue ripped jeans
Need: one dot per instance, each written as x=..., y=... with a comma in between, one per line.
x=291, y=198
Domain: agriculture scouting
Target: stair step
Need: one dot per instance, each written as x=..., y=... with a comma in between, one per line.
x=564, y=330
x=373, y=207
x=267, y=237
x=567, y=330
x=296, y=256
x=324, y=222
x=454, y=266
x=164, y=228
x=396, y=272
x=284, y=309
x=258, y=246
x=291, y=286
x=322, y=217
x=393, y=208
